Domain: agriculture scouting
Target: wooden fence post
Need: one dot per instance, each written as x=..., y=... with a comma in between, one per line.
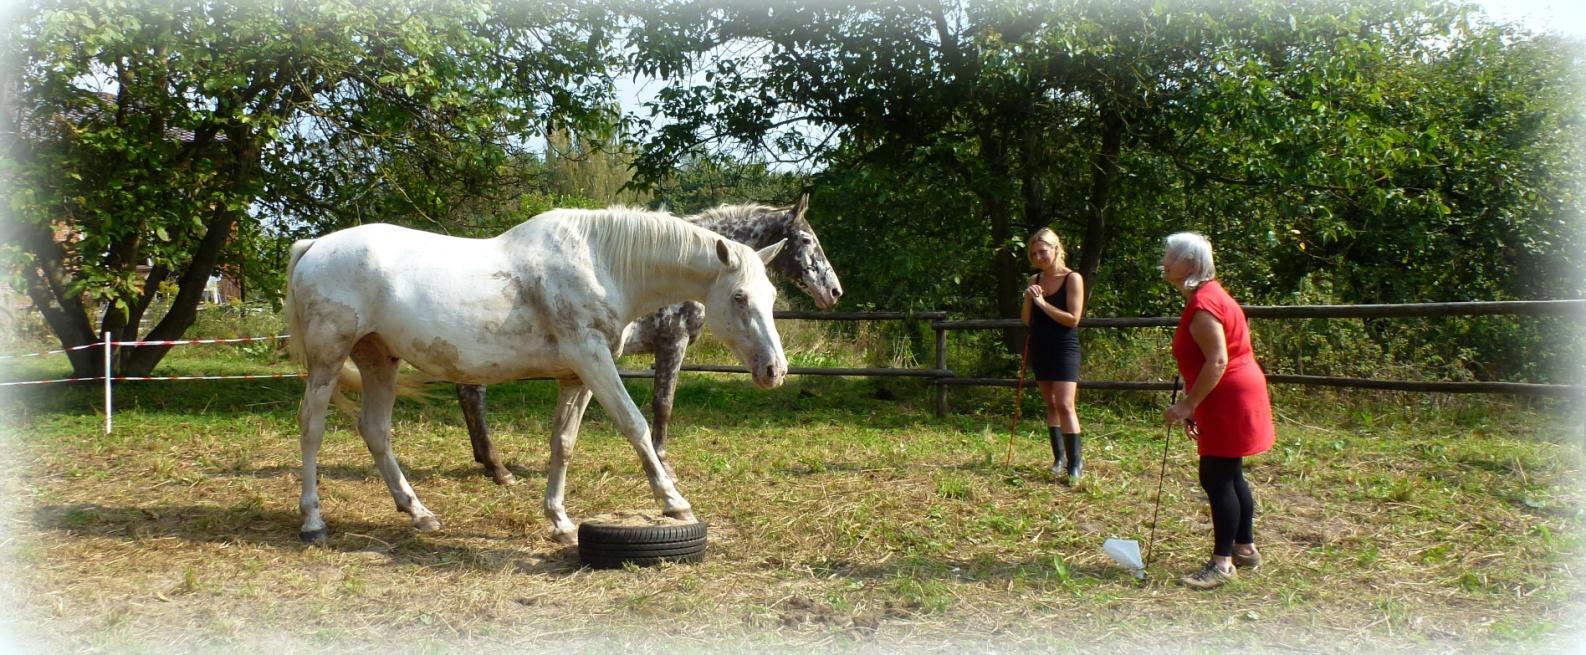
x=941, y=365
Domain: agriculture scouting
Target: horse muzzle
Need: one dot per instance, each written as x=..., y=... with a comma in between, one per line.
x=769, y=374
x=826, y=297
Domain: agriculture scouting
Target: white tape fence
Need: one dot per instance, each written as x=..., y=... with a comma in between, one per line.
x=109, y=347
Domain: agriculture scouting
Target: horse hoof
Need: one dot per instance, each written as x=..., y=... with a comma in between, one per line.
x=565, y=538
x=427, y=524
x=504, y=478
x=681, y=515
x=314, y=537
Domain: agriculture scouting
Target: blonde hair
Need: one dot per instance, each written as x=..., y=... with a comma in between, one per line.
x=1047, y=236
x=1195, y=249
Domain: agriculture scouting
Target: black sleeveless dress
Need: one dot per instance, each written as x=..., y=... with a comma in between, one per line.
x=1054, y=347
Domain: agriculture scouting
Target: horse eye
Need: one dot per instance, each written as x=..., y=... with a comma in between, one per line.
x=740, y=297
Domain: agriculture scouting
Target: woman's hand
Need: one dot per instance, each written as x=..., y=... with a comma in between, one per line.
x=1034, y=291
x=1181, y=412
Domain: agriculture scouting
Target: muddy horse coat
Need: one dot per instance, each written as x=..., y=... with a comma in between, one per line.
x=551, y=297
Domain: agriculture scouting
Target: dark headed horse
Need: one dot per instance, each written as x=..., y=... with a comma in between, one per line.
x=668, y=332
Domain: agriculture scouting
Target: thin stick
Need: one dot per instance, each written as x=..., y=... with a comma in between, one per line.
x=1018, y=399
x=1166, y=439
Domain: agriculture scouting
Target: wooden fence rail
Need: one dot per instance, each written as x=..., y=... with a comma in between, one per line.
x=1569, y=308
x=943, y=377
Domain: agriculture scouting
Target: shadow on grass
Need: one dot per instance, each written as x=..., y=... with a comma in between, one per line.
x=394, y=541
x=718, y=401
x=949, y=570
x=368, y=473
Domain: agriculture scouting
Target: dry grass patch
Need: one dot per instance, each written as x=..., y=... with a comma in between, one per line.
x=838, y=522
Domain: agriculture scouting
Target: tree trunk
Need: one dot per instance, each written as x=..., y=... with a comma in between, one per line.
x=1105, y=172
x=1031, y=165
x=49, y=286
x=190, y=287
x=184, y=307
x=151, y=288
x=996, y=207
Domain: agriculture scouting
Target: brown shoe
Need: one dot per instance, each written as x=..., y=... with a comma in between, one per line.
x=1251, y=561
x=1209, y=577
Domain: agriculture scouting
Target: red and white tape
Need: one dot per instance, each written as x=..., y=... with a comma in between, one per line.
x=251, y=376
x=173, y=342
x=183, y=342
x=85, y=346
x=121, y=378
x=25, y=382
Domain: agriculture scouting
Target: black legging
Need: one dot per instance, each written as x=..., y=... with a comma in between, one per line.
x=1233, y=508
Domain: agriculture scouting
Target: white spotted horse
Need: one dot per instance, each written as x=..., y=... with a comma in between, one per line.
x=551, y=297
x=668, y=332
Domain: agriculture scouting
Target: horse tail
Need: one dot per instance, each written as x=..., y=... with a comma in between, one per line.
x=294, y=342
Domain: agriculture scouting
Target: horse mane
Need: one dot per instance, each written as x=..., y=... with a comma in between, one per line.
x=631, y=237
x=723, y=212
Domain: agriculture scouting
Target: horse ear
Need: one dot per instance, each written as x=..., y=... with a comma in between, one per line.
x=724, y=254
x=802, y=205
x=768, y=253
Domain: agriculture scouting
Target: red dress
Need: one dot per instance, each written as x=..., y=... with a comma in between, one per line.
x=1236, y=419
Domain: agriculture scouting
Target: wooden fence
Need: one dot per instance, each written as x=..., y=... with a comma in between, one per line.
x=943, y=377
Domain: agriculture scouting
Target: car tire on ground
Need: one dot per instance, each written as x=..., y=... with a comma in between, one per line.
x=611, y=545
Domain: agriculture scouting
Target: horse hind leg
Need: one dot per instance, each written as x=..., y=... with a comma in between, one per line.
x=321, y=383
x=472, y=399
x=379, y=370
x=668, y=362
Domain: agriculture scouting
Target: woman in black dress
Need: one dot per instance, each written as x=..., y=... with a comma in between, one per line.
x=1053, y=304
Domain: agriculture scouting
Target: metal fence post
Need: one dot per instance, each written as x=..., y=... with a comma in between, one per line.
x=107, y=383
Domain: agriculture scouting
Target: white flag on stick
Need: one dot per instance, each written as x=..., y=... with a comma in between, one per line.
x=1126, y=552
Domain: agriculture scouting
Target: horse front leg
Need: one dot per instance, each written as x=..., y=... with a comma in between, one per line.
x=571, y=400
x=599, y=373
x=472, y=399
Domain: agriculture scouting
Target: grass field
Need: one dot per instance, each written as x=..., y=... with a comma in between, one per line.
x=840, y=521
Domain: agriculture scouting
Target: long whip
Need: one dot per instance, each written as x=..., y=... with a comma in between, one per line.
x=1018, y=399
x=1166, y=439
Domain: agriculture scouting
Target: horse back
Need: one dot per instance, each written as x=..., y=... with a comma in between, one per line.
x=466, y=310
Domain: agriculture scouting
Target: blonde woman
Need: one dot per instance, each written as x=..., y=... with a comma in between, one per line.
x=1053, y=304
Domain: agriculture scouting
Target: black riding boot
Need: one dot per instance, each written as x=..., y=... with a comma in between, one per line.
x=1052, y=434
x=1076, y=463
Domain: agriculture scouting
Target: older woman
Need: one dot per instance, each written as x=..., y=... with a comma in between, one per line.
x=1225, y=408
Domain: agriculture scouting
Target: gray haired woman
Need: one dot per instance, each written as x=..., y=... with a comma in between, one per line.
x=1225, y=408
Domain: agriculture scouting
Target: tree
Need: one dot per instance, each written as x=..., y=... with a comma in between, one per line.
x=594, y=166
x=1329, y=138
x=185, y=135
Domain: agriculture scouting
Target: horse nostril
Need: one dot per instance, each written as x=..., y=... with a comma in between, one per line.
x=837, y=292
x=770, y=371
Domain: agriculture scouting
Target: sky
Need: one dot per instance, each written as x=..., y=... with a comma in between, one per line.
x=1564, y=16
